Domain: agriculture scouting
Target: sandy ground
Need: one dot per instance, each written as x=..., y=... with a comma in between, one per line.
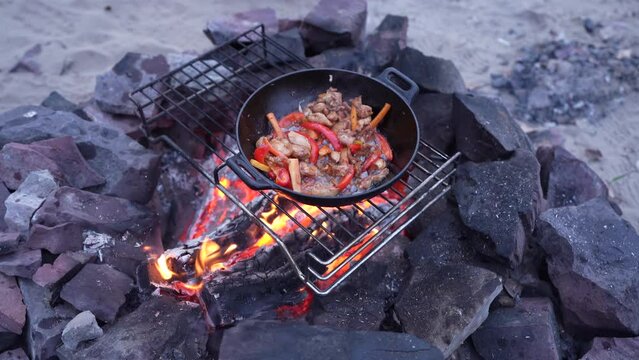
x=81, y=39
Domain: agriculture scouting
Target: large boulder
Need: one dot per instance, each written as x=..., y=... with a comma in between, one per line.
x=593, y=261
x=527, y=331
x=223, y=29
x=501, y=199
x=435, y=117
x=431, y=73
x=22, y=203
x=12, y=310
x=484, y=129
x=295, y=340
x=130, y=170
x=385, y=43
x=334, y=23
x=613, y=349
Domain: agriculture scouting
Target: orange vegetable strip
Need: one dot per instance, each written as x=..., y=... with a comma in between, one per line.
x=276, y=125
x=353, y=118
x=380, y=116
x=296, y=176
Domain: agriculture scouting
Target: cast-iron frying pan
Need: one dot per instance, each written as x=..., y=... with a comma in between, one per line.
x=282, y=96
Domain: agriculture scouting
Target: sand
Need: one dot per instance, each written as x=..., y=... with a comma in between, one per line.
x=81, y=39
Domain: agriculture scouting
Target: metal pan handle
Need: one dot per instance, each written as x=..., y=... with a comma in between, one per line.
x=247, y=173
x=387, y=78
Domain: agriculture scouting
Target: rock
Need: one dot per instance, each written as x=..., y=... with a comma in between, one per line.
x=44, y=323
x=613, y=349
x=55, y=101
x=341, y=58
x=432, y=74
x=27, y=199
x=12, y=310
x=465, y=352
x=434, y=115
x=8, y=339
x=130, y=170
x=81, y=328
x=22, y=263
x=526, y=331
x=4, y=194
x=294, y=340
x=287, y=24
x=223, y=29
x=56, y=239
x=567, y=180
x=28, y=62
x=291, y=40
x=15, y=354
x=445, y=304
x=590, y=25
x=99, y=289
x=160, y=328
x=499, y=81
x=59, y=155
x=484, y=129
x=128, y=124
x=63, y=267
x=42, y=58
x=9, y=242
x=593, y=259
x=386, y=42
x=501, y=199
x=334, y=23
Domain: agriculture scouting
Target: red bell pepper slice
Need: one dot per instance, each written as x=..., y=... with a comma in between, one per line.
x=346, y=179
x=326, y=132
x=282, y=177
x=260, y=153
x=385, y=147
x=314, y=148
x=355, y=147
x=371, y=160
x=291, y=119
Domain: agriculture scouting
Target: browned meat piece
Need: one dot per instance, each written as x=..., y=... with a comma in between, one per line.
x=346, y=137
x=333, y=169
x=318, y=107
x=341, y=126
x=319, y=188
x=364, y=122
x=332, y=116
x=372, y=178
x=282, y=145
x=319, y=118
x=363, y=111
x=300, y=152
x=331, y=97
x=275, y=162
x=307, y=169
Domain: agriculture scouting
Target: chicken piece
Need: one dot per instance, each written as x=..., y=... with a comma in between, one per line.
x=372, y=178
x=318, y=107
x=336, y=169
x=300, y=152
x=364, y=122
x=319, y=187
x=332, y=116
x=319, y=118
x=346, y=137
x=307, y=169
x=331, y=97
x=335, y=156
x=282, y=145
x=341, y=126
x=298, y=139
x=275, y=162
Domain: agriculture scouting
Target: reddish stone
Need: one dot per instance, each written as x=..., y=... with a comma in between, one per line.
x=23, y=263
x=12, y=310
x=49, y=275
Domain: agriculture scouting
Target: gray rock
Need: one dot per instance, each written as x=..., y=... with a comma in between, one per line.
x=9, y=242
x=484, y=129
x=445, y=304
x=81, y=328
x=63, y=267
x=290, y=40
x=22, y=263
x=128, y=124
x=8, y=339
x=99, y=289
x=293, y=340
x=29, y=62
x=334, y=23
x=431, y=73
x=60, y=156
x=55, y=101
x=593, y=260
x=501, y=199
x=12, y=310
x=130, y=170
x=223, y=29
x=386, y=42
x=567, y=180
x=346, y=58
x=613, y=349
x=15, y=354
x=160, y=328
x=44, y=323
x=4, y=194
x=434, y=115
x=27, y=199
x=526, y=331
x=56, y=239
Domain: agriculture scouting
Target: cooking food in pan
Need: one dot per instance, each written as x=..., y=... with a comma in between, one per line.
x=333, y=147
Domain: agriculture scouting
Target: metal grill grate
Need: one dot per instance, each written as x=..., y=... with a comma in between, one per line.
x=203, y=97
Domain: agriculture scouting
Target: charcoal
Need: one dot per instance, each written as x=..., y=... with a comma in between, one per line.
x=12, y=310
x=27, y=199
x=272, y=340
x=223, y=29
x=160, y=328
x=334, y=23
x=431, y=73
x=484, y=129
x=4, y=194
x=613, y=349
x=9, y=242
x=98, y=288
x=63, y=267
x=341, y=58
x=15, y=354
x=567, y=180
x=128, y=124
x=129, y=169
x=8, y=339
x=44, y=323
x=445, y=304
x=592, y=261
x=82, y=327
x=386, y=42
x=22, y=263
x=55, y=101
x=527, y=331
x=434, y=115
x=501, y=200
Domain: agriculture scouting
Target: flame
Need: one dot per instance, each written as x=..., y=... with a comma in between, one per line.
x=163, y=268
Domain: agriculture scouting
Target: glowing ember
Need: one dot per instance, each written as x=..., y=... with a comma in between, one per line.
x=295, y=311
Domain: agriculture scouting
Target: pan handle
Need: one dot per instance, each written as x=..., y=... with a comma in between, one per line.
x=387, y=78
x=247, y=173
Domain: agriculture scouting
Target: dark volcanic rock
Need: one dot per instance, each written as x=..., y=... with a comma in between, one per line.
x=22, y=263
x=431, y=73
x=128, y=124
x=9, y=242
x=22, y=203
x=434, y=114
x=567, y=180
x=526, y=331
x=129, y=169
x=160, y=328
x=8, y=339
x=50, y=275
x=613, y=349
x=484, y=129
x=293, y=340
x=385, y=43
x=59, y=155
x=291, y=40
x=334, y=23
x=445, y=304
x=15, y=354
x=98, y=288
x=346, y=58
x=12, y=310
x=44, y=323
x=593, y=261
x=223, y=29
x=4, y=194
x=55, y=101
x=501, y=200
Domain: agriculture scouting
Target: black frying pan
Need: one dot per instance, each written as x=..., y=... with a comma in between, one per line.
x=282, y=96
